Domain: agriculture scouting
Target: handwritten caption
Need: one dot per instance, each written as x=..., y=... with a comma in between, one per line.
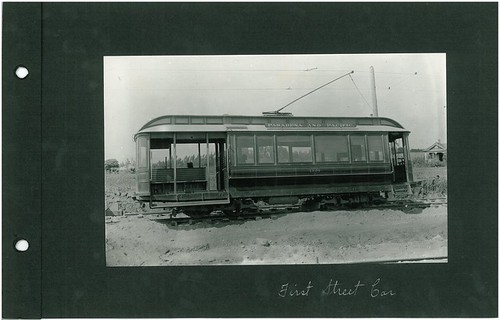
x=375, y=289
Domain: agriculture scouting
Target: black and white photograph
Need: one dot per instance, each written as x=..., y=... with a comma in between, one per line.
x=275, y=159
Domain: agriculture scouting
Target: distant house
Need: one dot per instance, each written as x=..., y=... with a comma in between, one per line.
x=436, y=152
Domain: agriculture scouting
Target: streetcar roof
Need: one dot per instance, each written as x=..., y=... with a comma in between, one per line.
x=231, y=123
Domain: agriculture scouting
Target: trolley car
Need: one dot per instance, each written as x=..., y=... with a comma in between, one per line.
x=200, y=164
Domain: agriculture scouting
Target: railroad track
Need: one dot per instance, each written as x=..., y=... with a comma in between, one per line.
x=274, y=212
x=215, y=218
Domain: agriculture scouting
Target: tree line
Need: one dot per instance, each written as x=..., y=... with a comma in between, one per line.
x=112, y=165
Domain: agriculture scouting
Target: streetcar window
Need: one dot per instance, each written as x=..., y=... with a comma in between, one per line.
x=283, y=154
x=189, y=155
x=375, y=148
x=244, y=150
x=358, y=148
x=265, y=149
x=160, y=158
x=295, y=148
x=330, y=148
x=142, y=152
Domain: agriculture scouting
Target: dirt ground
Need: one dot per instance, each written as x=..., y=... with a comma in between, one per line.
x=424, y=173
x=298, y=238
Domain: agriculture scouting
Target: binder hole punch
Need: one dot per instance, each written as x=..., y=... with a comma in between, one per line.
x=21, y=245
x=21, y=72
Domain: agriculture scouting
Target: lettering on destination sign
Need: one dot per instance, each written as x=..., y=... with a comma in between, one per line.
x=310, y=125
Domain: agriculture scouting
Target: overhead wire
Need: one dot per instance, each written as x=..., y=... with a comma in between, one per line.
x=359, y=91
x=406, y=78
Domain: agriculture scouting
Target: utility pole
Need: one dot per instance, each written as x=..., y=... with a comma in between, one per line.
x=374, y=92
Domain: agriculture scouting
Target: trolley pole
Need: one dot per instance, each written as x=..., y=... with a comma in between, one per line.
x=374, y=92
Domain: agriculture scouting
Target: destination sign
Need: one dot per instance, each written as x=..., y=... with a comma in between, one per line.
x=310, y=125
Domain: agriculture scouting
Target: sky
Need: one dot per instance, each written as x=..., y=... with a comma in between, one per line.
x=410, y=88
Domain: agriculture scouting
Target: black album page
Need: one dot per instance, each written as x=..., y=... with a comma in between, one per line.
x=258, y=160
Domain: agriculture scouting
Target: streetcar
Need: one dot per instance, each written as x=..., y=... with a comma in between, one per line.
x=199, y=164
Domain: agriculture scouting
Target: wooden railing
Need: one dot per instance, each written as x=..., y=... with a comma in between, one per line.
x=183, y=174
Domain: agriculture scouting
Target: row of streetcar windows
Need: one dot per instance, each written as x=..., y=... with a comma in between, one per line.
x=269, y=149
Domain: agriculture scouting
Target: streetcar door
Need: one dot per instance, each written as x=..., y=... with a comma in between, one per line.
x=217, y=161
x=398, y=159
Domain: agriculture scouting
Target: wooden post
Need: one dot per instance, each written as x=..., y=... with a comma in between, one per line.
x=208, y=163
x=226, y=172
x=170, y=156
x=216, y=166
x=199, y=155
x=374, y=92
x=406, y=152
x=175, y=163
